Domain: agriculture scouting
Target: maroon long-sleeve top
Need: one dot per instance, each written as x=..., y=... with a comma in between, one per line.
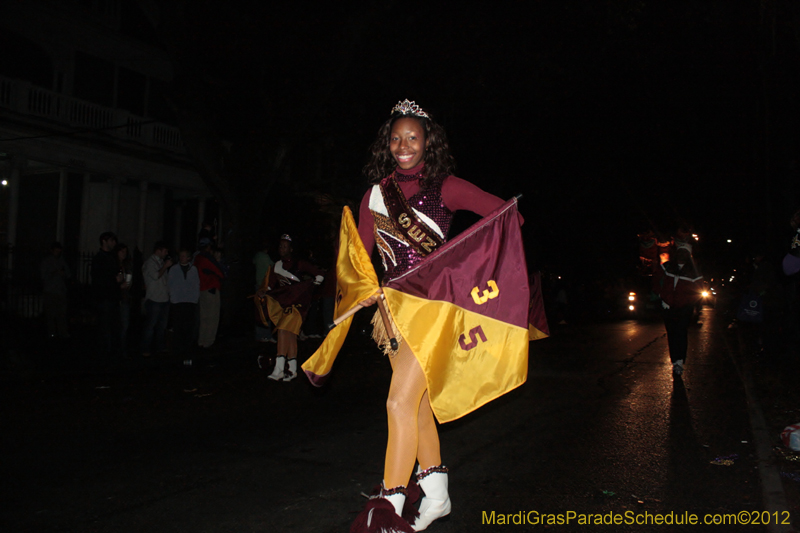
x=457, y=194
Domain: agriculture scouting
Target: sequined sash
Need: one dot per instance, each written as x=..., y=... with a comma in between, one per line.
x=405, y=220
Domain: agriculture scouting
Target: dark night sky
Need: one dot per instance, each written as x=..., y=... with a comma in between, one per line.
x=610, y=116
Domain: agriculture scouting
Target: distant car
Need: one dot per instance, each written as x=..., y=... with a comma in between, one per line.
x=632, y=303
x=709, y=295
x=643, y=304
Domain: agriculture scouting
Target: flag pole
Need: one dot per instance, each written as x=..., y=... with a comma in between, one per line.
x=386, y=322
x=384, y=315
x=345, y=316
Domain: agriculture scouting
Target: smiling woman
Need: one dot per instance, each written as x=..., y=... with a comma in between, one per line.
x=407, y=143
x=429, y=144
x=406, y=214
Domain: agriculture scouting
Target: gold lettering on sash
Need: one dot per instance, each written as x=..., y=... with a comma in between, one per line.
x=403, y=220
x=429, y=244
x=416, y=233
x=492, y=292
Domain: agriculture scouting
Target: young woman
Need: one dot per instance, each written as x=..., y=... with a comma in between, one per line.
x=411, y=169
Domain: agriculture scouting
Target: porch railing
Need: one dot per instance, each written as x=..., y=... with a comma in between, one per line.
x=28, y=99
x=21, y=290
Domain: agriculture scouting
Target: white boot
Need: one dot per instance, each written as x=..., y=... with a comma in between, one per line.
x=280, y=365
x=291, y=371
x=436, y=502
x=378, y=516
x=397, y=500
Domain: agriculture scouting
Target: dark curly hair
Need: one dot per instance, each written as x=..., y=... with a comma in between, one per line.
x=439, y=163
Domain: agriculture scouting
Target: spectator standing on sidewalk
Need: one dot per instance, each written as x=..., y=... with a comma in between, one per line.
x=156, y=303
x=55, y=273
x=211, y=274
x=126, y=269
x=106, y=282
x=184, y=292
x=679, y=286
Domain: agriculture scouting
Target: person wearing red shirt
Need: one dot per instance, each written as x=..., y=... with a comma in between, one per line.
x=679, y=286
x=211, y=274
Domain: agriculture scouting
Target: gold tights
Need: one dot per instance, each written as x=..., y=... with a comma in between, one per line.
x=287, y=344
x=412, y=429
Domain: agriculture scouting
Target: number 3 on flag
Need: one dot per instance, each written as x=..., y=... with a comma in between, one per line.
x=492, y=292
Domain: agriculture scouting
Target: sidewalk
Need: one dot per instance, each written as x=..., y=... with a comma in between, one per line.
x=772, y=383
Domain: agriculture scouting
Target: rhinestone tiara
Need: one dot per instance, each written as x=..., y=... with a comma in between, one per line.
x=407, y=107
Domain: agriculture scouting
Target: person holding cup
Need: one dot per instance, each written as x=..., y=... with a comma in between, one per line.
x=156, y=303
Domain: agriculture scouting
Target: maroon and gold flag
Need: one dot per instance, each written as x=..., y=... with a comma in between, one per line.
x=355, y=282
x=464, y=313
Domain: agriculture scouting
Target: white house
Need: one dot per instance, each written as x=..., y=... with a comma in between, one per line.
x=86, y=141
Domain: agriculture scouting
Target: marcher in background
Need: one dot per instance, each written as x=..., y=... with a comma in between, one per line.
x=106, y=281
x=284, y=299
x=156, y=303
x=262, y=262
x=679, y=285
x=184, y=292
x=126, y=269
x=211, y=274
x=55, y=273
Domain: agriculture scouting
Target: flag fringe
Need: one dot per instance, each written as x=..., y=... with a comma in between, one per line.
x=379, y=334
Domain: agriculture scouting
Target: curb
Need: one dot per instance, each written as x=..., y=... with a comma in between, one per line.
x=772, y=492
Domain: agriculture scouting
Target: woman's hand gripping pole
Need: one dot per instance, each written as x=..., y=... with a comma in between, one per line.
x=378, y=298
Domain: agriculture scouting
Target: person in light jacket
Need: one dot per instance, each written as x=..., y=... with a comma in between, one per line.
x=184, y=292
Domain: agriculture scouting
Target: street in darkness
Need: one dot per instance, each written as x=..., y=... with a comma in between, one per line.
x=600, y=428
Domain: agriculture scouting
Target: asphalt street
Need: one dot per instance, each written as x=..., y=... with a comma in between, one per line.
x=600, y=431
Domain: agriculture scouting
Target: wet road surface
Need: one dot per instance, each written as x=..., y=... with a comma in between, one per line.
x=600, y=428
